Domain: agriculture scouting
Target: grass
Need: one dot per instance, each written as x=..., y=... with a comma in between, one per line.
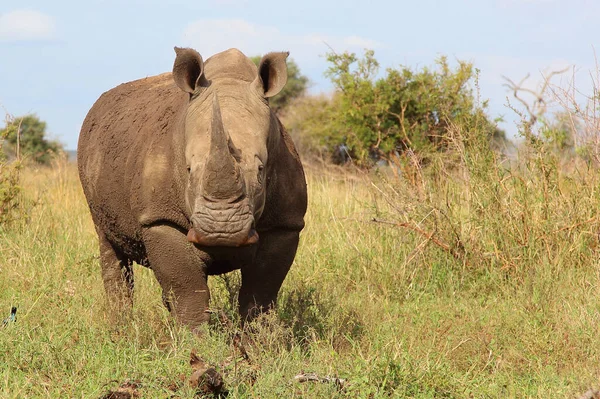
x=483, y=282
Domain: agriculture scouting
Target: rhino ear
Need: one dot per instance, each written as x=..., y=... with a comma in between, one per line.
x=272, y=74
x=188, y=69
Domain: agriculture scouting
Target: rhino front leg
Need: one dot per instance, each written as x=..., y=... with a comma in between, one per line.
x=117, y=274
x=181, y=272
x=262, y=280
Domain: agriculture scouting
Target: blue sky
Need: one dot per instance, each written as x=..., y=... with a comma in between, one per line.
x=57, y=57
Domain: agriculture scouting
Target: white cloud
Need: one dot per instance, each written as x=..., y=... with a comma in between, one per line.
x=210, y=36
x=26, y=25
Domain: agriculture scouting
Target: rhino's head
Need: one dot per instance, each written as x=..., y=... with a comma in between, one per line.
x=228, y=128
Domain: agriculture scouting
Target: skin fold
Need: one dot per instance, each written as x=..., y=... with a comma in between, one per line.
x=192, y=174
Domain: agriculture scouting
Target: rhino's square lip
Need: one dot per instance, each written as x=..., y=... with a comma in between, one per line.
x=222, y=240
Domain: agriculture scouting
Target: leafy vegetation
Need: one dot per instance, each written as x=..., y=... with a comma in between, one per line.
x=27, y=134
x=372, y=117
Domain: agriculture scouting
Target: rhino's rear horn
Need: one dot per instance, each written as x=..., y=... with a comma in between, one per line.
x=222, y=178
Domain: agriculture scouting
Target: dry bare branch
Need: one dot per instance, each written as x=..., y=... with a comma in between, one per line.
x=534, y=109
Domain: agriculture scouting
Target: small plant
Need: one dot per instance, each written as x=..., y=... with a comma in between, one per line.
x=9, y=180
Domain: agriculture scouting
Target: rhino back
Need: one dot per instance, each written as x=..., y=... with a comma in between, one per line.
x=126, y=160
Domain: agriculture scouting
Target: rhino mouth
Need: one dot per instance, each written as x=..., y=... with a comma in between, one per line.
x=223, y=225
x=198, y=238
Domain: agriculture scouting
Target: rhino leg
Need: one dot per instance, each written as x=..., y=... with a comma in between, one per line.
x=117, y=273
x=181, y=272
x=262, y=280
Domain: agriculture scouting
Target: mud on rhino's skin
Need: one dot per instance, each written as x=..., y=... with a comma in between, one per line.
x=191, y=173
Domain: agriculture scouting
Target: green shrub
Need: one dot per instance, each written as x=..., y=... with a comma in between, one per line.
x=371, y=117
x=27, y=135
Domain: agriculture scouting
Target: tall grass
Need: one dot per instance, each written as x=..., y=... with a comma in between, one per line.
x=471, y=280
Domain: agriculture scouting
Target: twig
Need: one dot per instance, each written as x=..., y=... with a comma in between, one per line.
x=571, y=227
x=536, y=109
x=313, y=377
x=19, y=139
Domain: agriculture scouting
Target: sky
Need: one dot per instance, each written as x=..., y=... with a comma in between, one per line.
x=57, y=57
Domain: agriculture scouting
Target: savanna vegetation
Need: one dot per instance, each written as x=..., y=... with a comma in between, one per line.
x=26, y=136
x=455, y=270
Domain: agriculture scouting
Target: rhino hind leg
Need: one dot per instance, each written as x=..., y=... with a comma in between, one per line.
x=181, y=272
x=262, y=280
x=117, y=274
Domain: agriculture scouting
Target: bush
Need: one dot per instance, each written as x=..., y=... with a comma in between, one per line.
x=374, y=118
x=308, y=120
x=483, y=212
x=27, y=135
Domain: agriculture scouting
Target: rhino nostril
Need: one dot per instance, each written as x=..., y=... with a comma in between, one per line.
x=208, y=199
x=240, y=198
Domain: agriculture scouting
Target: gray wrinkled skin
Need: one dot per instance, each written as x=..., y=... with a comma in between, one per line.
x=191, y=174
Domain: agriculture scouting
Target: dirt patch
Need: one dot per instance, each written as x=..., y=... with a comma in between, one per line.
x=127, y=390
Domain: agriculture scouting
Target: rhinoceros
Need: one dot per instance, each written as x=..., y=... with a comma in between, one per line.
x=191, y=174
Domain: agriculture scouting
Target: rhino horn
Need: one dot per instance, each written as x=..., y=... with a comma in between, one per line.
x=222, y=178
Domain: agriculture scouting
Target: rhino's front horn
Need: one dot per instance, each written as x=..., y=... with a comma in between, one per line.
x=222, y=178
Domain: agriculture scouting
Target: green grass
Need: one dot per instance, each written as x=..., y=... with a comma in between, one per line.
x=485, y=285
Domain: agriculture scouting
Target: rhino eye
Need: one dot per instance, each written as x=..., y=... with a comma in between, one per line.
x=189, y=169
x=261, y=167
